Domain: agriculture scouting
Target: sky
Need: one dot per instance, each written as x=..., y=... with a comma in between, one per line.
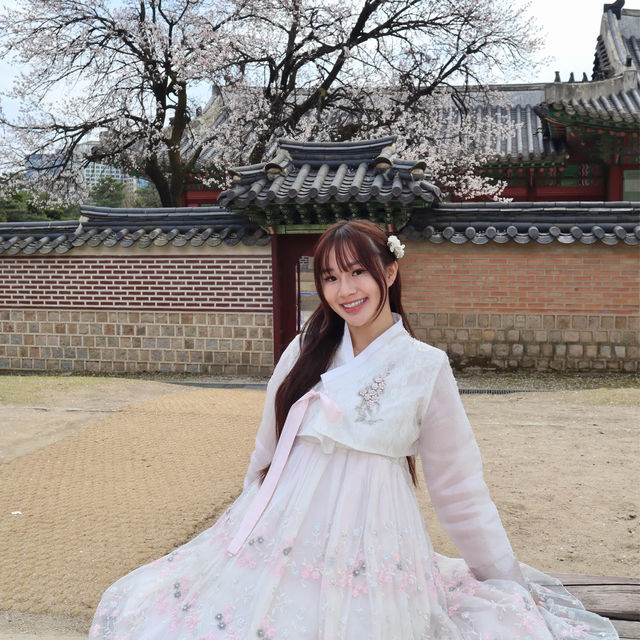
x=570, y=29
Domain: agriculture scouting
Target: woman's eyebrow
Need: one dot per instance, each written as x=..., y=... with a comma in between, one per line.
x=349, y=266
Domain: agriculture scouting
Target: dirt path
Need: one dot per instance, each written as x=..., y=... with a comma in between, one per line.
x=101, y=492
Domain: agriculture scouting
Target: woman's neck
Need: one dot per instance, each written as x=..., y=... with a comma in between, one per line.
x=362, y=337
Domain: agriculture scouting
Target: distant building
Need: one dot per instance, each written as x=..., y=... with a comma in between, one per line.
x=92, y=173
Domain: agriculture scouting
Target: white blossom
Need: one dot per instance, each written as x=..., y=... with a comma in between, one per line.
x=127, y=74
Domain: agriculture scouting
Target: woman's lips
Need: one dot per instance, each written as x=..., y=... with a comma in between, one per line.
x=354, y=306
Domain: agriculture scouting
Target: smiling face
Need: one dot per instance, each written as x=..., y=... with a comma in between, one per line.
x=354, y=294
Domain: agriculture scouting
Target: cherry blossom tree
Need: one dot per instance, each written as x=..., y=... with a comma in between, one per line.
x=339, y=69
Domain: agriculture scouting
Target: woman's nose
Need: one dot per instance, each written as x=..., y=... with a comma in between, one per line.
x=347, y=286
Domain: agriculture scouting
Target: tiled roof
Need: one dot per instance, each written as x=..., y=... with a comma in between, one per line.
x=618, y=45
x=524, y=222
x=476, y=222
x=350, y=176
x=615, y=100
x=139, y=228
x=525, y=141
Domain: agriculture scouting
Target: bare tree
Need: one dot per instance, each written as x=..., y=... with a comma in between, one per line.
x=334, y=69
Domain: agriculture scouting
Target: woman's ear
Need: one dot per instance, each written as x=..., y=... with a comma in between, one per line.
x=391, y=272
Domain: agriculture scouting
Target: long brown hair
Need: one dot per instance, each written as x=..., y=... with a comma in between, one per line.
x=352, y=240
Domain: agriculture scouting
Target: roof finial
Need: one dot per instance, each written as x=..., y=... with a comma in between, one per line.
x=615, y=8
x=572, y=78
x=557, y=77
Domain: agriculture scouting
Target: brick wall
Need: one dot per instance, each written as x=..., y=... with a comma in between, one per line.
x=548, y=307
x=229, y=283
x=110, y=313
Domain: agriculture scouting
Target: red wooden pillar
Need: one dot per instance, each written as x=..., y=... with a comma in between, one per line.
x=286, y=251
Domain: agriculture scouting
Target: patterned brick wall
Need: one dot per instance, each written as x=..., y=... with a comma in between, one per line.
x=230, y=344
x=111, y=313
x=548, y=307
x=234, y=283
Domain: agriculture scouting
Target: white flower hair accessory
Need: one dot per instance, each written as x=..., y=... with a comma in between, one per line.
x=395, y=247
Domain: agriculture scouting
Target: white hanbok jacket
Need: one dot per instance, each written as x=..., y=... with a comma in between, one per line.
x=399, y=398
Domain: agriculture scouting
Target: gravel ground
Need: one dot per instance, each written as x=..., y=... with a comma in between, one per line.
x=109, y=473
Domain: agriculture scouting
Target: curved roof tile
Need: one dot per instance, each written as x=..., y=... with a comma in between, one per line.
x=132, y=227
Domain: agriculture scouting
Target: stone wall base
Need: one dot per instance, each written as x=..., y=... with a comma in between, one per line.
x=533, y=341
x=205, y=343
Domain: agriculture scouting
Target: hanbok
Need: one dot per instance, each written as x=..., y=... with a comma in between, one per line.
x=332, y=546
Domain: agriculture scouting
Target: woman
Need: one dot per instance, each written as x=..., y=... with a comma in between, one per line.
x=326, y=541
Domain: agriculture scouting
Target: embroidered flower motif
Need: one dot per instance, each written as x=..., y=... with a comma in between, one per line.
x=395, y=247
x=370, y=399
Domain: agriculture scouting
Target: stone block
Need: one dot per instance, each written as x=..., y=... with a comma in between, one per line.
x=586, y=336
x=483, y=320
x=605, y=351
x=532, y=349
x=560, y=350
x=576, y=350
x=548, y=322
x=630, y=366
x=470, y=320
x=457, y=349
x=501, y=350
x=620, y=351
x=571, y=336
x=517, y=349
x=489, y=335
x=534, y=322
x=507, y=321
x=630, y=337
x=620, y=322
x=462, y=335
x=615, y=336
x=563, y=322
x=547, y=350
x=513, y=335
x=520, y=321
x=541, y=336
x=591, y=350
x=579, y=322
x=601, y=336
x=426, y=319
x=442, y=319
x=607, y=322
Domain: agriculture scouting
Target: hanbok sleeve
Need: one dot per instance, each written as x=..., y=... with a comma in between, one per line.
x=453, y=471
x=266, y=439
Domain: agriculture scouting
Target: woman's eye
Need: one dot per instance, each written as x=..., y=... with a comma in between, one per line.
x=358, y=272
x=329, y=278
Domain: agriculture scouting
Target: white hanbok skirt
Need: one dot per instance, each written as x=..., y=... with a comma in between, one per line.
x=340, y=553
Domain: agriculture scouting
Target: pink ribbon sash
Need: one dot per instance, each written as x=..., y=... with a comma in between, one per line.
x=288, y=435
